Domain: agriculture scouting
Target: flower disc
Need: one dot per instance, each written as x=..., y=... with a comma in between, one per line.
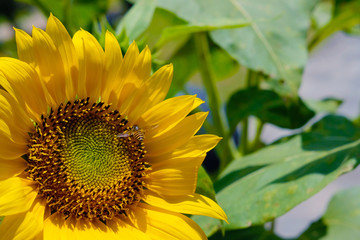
x=83, y=168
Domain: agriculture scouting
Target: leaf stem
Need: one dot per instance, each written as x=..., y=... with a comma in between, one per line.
x=272, y=228
x=251, y=81
x=243, y=146
x=257, y=140
x=226, y=148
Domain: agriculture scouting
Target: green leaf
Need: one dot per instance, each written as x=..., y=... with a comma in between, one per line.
x=342, y=217
x=274, y=43
x=174, y=32
x=161, y=20
x=322, y=14
x=185, y=64
x=316, y=231
x=328, y=105
x=266, y=184
x=204, y=184
x=137, y=19
x=250, y=233
x=269, y=107
x=348, y=17
x=222, y=64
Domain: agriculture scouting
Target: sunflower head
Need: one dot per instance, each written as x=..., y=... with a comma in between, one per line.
x=89, y=146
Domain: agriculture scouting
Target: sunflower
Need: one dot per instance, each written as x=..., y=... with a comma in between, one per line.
x=89, y=148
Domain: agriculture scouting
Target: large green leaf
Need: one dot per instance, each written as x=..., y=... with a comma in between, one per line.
x=267, y=106
x=186, y=65
x=172, y=33
x=343, y=215
x=274, y=43
x=341, y=219
x=137, y=19
x=264, y=185
x=160, y=21
x=257, y=232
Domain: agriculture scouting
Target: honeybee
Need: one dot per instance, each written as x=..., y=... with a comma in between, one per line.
x=136, y=132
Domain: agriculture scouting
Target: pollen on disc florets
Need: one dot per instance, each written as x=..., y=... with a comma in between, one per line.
x=82, y=168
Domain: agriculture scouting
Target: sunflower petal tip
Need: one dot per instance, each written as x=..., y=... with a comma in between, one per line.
x=52, y=18
x=133, y=44
x=170, y=68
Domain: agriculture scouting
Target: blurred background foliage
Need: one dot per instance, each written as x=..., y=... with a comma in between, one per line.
x=246, y=59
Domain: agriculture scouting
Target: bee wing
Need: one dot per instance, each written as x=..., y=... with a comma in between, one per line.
x=123, y=134
x=151, y=127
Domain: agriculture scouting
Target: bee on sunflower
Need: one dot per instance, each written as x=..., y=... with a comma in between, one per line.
x=64, y=171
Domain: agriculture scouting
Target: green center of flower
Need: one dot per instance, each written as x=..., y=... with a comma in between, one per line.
x=95, y=157
x=84, y=164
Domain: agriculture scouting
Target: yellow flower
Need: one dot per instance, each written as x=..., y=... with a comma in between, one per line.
x=89, y=148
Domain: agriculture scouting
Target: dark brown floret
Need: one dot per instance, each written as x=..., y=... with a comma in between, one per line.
x=82, y=168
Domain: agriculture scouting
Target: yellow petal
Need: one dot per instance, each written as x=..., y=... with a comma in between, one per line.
x=50, y=65
x=16, y=196
x=194, y=204
x=160, y=224
x=194, y=147
x=91, y=60
x=175, y=178
x=9, y=168
x=25, y=46
x=26, y=225
x=167, y=114
x=113, y=61
x=123, y=228
x=126, y=107
x=57, y=228
x=176, y=136
x=9, y=149
x=16, y=119
x=142, y=68
x=65, y=46
x=130, y=58
x=128, y=83
x=159, y=83
x=23, y=83
x=153, y=91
